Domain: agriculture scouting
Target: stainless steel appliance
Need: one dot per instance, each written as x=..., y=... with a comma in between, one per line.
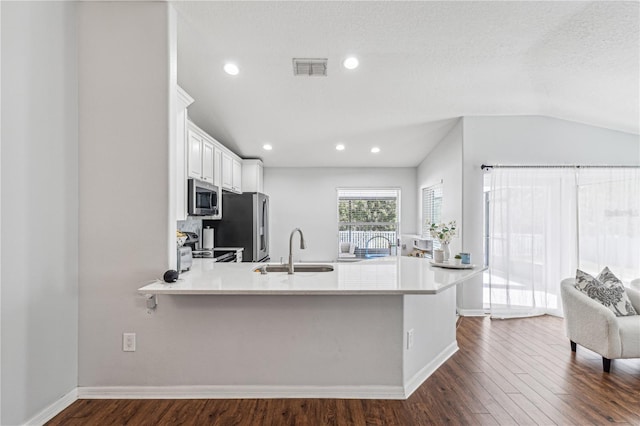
x=195, y=251
x=220, y=255
x=202, y=198
x=245, y=223
x=192, y=240
x=185, y=258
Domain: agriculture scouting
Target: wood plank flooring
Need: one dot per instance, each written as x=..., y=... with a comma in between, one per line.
x=507, y=372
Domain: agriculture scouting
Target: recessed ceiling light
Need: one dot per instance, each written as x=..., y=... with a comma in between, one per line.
x=231, y=69
x=340, y=147
x=375, y=150
x=351, y=63
x=267, y=147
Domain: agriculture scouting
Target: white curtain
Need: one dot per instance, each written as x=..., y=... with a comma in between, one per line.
x=532, y=235
x=546, y=222
x=609, y=221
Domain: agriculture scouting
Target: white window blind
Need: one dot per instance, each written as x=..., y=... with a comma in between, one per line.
x=431, y=207
x=368, y=219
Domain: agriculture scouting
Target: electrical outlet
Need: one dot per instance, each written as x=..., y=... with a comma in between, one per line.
x=410, y=339
x=129, y=342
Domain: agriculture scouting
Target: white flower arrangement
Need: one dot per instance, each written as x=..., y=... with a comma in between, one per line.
x=443, y=232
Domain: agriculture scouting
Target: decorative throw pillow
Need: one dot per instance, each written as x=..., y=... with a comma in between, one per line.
x=607, y=289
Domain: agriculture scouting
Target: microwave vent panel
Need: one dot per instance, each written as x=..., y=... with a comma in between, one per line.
x=310, y=67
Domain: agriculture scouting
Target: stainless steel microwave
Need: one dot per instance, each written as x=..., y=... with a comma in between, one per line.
x=202, y=198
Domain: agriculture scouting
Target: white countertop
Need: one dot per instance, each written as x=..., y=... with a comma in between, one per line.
x=389, y=275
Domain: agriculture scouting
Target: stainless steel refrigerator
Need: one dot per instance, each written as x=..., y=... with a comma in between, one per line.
x=244, y=223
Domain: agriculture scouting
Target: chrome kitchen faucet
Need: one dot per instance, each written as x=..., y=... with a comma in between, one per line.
x=302, y=246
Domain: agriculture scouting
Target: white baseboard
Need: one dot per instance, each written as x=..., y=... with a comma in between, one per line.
x=423, y=374
x=471, y=312
x=241, y=392
x=244, y=392
x=54, y=409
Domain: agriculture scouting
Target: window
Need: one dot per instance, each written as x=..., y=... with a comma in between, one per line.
x=431, y=209
x=544, y=222
x=368, y=222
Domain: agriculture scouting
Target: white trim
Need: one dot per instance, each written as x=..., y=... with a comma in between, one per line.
x=184, y=97
x=54, y=409
x=471, y=312
x=241, y=392
x=247, y=391
x=423, y=374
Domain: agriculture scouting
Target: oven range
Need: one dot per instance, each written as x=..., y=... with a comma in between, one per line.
x=220, y=254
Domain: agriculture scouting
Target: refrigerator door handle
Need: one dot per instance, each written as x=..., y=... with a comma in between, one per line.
x=265, y=225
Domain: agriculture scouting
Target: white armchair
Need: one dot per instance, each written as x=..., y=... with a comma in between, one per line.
x=594, y=326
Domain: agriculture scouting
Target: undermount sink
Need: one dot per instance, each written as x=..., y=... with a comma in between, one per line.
x=297, y=267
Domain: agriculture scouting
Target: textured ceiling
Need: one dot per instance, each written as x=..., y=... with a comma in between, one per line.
x=422, y=66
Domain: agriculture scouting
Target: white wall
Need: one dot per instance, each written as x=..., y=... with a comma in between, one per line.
x=274, y=341
x=39, y=243
x=125, y=140
x=306, y=198
x=433, y=321
x=124, y=84
x=444, y=164
x=527, y=140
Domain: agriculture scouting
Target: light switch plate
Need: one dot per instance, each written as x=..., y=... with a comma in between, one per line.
x=410, y=339
x=129, y=342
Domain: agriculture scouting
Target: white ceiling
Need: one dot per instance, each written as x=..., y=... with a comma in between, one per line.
x=422, y=66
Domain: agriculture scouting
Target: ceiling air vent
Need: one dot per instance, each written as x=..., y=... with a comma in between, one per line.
x=310, y=67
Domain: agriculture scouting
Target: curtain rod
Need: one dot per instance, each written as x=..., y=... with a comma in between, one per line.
x=574, y=166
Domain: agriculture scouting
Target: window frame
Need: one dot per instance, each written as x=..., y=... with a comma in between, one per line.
x=397, y=224
x=433, y=190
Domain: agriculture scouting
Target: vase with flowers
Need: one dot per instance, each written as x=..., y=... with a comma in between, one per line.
x=443, y=232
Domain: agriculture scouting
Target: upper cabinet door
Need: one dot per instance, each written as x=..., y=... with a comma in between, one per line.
x=184, y=100
x=217, y=166
x=195, y=155
x=237, y=176
x=227, y=171
x=207, y=161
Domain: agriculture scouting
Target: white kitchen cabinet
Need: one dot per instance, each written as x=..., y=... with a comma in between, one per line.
x=252, y=176
x=195, y=154
x=212, y=162
x=184, y=100
x=217, y=166
x=231, y=172
x=237, y=176
x=227, y=171
x=204, y=160
x=207, y=161
x=201, y=154
x=217, y=174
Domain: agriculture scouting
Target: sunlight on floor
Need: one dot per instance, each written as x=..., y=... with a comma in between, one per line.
x=519, y=295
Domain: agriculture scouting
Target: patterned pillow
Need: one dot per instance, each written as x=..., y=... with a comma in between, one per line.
x=607, y=289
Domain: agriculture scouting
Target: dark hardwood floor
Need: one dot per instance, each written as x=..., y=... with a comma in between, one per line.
x=507, y=372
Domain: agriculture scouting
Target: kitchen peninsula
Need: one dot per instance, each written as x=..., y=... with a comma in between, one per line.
x=370, y=329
